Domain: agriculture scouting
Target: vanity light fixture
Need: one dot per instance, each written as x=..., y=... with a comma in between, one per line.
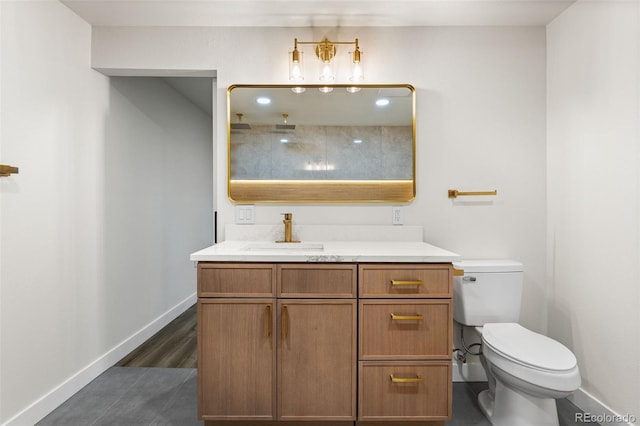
x=325, y=52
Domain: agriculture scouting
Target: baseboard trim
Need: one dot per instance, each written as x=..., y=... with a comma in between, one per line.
x=473, y=371
x=49, y=402
x=598, y=411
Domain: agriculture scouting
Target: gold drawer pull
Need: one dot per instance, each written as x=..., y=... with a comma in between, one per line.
x=285, y=313
x=416, y=317
x=268, y=322
x=416, y=379
x=406, y=282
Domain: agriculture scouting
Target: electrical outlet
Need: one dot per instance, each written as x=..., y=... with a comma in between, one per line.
x=245, y=214
x=396, y=216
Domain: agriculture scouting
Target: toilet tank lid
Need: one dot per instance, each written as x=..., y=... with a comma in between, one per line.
x=488, y=265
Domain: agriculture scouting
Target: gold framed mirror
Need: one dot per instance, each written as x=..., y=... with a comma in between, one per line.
x=321, y=144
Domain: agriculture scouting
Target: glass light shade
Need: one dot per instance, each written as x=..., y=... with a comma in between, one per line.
x=327, y=72
x=357, y=74
x=296, y=66
x=357, y=70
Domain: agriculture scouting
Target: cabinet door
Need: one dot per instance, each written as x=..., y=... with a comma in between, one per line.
x=316, y=359
x=236, y=359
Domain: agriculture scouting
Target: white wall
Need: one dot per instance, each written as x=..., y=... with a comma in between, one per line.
x=114, y=192
x=481, y=124
x=594, y=195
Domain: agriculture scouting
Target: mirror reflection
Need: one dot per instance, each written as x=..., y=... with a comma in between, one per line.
x=318, y=138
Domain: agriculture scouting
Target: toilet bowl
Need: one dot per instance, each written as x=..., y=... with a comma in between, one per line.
x=526, y=371
x=530, y=370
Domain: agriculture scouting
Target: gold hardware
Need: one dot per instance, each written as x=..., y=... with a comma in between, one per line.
x=416, y=379
x=287, y=228
x=416, y=317
x=458, y=272
x=284, y=322
x=268, y=326
x=325, y=52
x=404, y=282
x=454, y=193
x=325, y=49
x=7, y=170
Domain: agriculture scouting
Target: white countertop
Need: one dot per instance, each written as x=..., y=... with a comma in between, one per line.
x=325, y=251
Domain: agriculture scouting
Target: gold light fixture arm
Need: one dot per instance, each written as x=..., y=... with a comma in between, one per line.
x=325, y=49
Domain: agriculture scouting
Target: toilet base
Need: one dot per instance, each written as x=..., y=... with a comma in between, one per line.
x=507, y=407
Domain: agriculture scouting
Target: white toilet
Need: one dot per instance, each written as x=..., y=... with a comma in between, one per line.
x=526, y=371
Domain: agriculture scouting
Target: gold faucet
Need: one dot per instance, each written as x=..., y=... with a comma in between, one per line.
x=287, y=229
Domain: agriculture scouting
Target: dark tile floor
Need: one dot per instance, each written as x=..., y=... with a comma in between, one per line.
x=130, y=396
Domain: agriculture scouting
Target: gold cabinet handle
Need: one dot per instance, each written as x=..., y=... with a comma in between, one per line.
x=284, y=322
x=406, y=282
x=416, y=379
x=416, y=317
x=268, y=322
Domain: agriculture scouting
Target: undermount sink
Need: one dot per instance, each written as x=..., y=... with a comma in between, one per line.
x=273, y=246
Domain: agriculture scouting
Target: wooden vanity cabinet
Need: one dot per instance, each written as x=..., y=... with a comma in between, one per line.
x=405, y=342
x=236, y=341
x=293, y=357
x=302, y=343
x=317, y=345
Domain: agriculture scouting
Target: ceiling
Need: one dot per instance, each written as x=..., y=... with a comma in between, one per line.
x=313, y=13
x=308, y=13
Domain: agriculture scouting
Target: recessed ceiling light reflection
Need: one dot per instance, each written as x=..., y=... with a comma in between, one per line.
x=382, y=102
x=357, y=141
x=263, y=100
x=284, y=140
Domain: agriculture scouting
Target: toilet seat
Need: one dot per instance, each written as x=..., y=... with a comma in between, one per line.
x=531, y=358
x=528, y=348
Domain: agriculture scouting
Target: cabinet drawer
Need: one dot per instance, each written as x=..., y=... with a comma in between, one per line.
x=236, y=280
x=405, y=329
x=304, y=280
x=404, y=390
x=421, y=280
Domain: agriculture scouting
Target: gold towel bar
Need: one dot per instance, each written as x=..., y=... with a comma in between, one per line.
x=454, y=193
x=7, y=170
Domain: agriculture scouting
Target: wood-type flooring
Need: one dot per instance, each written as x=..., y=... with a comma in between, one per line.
x=175, y=346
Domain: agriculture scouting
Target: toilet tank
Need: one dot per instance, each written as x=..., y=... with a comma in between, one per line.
x=489, y=291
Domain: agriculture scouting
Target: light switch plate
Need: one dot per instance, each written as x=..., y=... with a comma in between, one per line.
x=245, y=214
